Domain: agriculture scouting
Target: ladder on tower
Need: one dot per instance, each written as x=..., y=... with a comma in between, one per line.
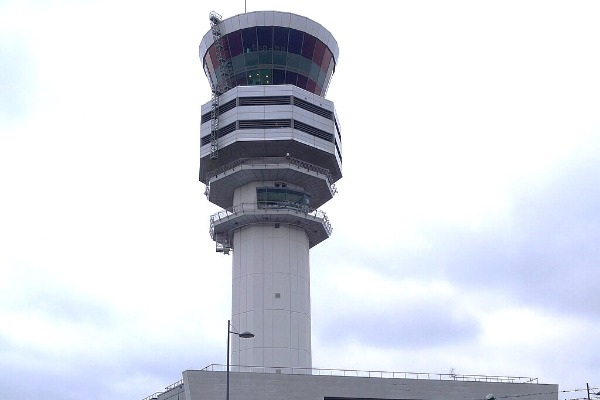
x=221, y=85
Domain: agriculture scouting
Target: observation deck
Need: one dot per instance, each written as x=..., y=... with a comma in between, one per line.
x=271, y=48
x=223, y=224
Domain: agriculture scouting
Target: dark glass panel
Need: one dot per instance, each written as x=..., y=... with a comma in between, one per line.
x=318, y=90
x=266, y=76
x=293, y=62
x=302, y=81
x=279, y=58
x=235, y=43
x=290, y=77
x=304, y=67
x=326, y=59
x=249, y=39
x=265, y=37
x=321, y=80
x=319, y=52
x=251, y=59
x=308, y=47
x=282, y=198
x=253, y=77
x=208, y=63
x=241, y=80
x=261, y=194
x=295, y=41
x=280, y=38
x=225, y=50
x=265, y=57
x=310, y=86
x=278, y=76
x=314, y=72
x=212, y=52
x=238, y=63
x=277, y=195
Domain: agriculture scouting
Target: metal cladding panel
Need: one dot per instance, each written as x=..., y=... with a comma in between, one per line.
x=251, y=17
x=272, y=142
x=322, y=155
x=278, y=19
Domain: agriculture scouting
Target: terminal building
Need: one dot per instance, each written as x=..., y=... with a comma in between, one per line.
x=270, y=155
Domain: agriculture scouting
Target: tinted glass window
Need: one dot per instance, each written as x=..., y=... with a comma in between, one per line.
x=302, y=81
x=249, y=39
x=278, y=76
x=253, y=77
x=251, y=59
x=282, y=198
x=240, y=79
x=326, y=60
x=290, y=77
x=304, y=67
x=266, y=76
x=212, y=52
x=293, y=61
x=265, y=57
x=238, y=63
x=268, y=55
x=314, y=72
x=279, y=58
x=280, y=38
x=319, y=52
x=225, y=50
x=235, y=43
x=308, y=47
x=265, y=37
x=295, y=42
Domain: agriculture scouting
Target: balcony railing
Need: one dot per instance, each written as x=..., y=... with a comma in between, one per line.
x=268, y=207
x=375, y=374
x=269, y=161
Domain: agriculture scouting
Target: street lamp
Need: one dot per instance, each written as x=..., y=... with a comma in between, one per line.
x=243, y=335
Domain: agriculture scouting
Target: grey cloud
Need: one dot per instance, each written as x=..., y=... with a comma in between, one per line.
x=435, y=323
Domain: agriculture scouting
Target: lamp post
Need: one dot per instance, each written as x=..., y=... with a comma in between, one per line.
x=243, y=335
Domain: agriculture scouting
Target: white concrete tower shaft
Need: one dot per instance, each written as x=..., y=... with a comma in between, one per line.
x=270, y=155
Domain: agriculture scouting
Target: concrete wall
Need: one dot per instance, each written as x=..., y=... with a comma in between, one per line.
x=271, y=297
x=208, y=385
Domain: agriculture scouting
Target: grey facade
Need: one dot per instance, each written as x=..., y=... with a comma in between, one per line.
x=210, y=385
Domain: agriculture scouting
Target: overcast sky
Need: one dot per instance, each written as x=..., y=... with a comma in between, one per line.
x=466, y=230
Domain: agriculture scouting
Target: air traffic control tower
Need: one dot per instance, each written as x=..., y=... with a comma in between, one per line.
x=270, y=155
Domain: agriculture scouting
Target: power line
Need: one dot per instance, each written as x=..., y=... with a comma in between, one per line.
x=594, y=390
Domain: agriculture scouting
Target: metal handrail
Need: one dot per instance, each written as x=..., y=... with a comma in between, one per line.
x=241, y=207
x=155, y=395
x=377, y=374
x=273, y=161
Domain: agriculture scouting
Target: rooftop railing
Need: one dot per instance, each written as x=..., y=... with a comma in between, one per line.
x=357, y=373
x=375, y=374
x=155, y=395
